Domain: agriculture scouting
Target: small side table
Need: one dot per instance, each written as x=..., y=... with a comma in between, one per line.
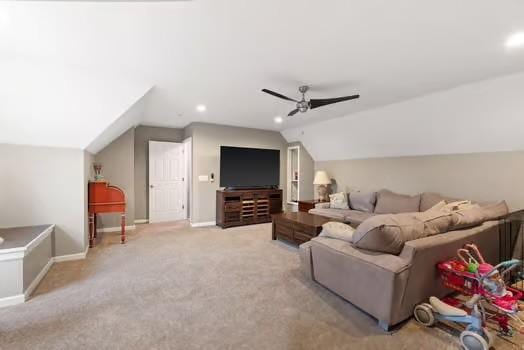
x=307, y=205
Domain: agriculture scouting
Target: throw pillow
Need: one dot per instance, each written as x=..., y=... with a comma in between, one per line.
x=337, y=230
x=429, y=199
x=388, y=233
x=437, y=207
x=338, y=201
x=363, y=201
x=393, y=203
x=467, y=217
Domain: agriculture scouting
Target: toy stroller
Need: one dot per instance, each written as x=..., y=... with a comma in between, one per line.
x=484, y=283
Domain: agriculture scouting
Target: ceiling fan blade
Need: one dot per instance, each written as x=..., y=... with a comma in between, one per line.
x=293, y=112
x=315, y=103
x=276, y=94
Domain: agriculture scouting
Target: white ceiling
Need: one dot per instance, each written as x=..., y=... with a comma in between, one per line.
x=88, y=62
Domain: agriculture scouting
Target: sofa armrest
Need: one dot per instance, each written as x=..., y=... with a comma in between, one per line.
x=323, y=205
x=453, y=239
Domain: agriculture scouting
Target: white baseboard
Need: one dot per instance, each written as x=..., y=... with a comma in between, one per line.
x=116, y=229
x=37, y=279
x=13, y=300
x=200, y=224
x=71, y=257
x=141, y=221
x=20, y=298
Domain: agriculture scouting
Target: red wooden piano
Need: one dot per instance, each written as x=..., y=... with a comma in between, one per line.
x=104, y=198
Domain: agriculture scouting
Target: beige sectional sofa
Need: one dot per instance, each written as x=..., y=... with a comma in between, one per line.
x=389, y=285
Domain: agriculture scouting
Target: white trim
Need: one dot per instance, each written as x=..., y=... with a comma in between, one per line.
x=18, y=252
x=12, y=300
x=289, y=176
x=14, y=255
x=116, y=229
x=141, y=221
x=19, y=255
x=31, y=245
x=71, y=257
x=201, y=224
x=37, y=279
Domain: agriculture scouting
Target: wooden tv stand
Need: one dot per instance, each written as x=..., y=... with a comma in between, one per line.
x=246, y=207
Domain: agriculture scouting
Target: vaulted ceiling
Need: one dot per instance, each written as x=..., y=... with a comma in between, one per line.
x=70, y=70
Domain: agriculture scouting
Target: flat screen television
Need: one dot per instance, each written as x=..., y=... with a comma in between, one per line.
x=249, y=167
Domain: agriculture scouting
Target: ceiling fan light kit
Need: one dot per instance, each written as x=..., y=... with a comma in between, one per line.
x=303, y=105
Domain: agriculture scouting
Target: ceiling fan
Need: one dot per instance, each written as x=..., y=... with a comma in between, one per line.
x=303, y=105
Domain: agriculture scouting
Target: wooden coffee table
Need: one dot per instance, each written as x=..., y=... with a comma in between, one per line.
x=297, y=227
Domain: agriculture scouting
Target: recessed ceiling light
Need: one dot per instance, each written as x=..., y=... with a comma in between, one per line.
x=201, y=108
x=278, y=119
x=515, y=40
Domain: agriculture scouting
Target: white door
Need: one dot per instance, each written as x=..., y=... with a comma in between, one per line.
x=167, y=189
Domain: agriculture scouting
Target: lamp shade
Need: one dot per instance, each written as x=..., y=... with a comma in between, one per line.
x=321, y=178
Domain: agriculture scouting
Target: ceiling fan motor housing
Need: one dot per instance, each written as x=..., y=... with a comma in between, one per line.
x=303, y=106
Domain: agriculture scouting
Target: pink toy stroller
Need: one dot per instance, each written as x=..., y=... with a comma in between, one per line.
x=491, y=300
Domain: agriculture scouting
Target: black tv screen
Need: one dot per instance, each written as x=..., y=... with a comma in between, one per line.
x=249, y=167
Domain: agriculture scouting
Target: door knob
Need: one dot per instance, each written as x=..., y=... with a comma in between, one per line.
x=151, y=186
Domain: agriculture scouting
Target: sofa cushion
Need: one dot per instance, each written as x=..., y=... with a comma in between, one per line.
x=363, y=201
x=386, y=261
x=338, y=214
x=494, y=210
x=388, y=233
x=337, y=230
x=338, y=200
x=356, y=217
x=393, y=203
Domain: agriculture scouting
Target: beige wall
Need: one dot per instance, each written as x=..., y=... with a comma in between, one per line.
x=118, y=167
x=207, y=139
x=477, y=176
x=144, y=134
x=45, y=185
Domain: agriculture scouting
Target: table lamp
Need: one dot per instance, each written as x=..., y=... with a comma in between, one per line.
x=322, y=180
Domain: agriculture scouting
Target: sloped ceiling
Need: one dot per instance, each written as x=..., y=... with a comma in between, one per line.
x=485, y=116
x=71, y=69
x=56, y=105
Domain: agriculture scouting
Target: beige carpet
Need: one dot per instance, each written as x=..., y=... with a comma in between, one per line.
x=175, y=287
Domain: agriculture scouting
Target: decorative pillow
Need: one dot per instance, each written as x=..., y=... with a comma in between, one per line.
x=393, y=203
x=470, y=216
x=363, y=201
x=458, y=206
x=388, y=233
x=337, y=230
x=437, y=207
x=338, y=201
x=429, y=199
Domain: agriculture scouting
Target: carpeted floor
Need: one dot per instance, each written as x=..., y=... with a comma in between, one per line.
x=175, y=287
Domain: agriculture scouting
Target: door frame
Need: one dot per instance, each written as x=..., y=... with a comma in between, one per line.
x=188, y=153
x=186, y=178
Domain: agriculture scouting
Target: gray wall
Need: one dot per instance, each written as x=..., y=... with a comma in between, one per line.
x=144, y=134
x=36, y=260
x=118, y=167
x=207, y=139
x=45, y=185
x=476, y=176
